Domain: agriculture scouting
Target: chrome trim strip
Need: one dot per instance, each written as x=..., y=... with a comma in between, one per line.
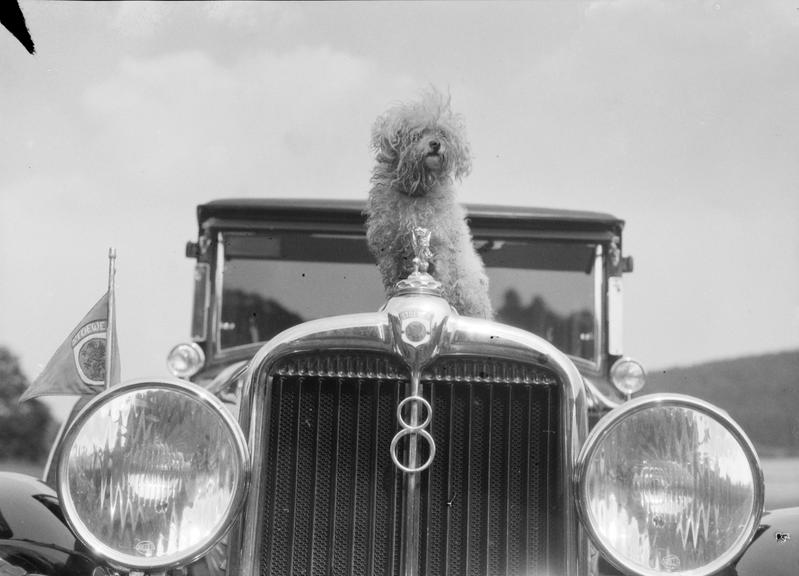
x=409, y=559
x=216, y=307
x=381, y=332
x=679, y=400
x=239, y=496
x=227, y=375
x=598, y=397
x=200, y=333
x=599, y=311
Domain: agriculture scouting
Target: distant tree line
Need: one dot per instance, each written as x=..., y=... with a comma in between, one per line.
x=761, y=393
x=27, y=429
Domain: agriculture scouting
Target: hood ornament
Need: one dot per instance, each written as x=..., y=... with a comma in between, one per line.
x=420, y=281
x=415, y=326
x=421, y=247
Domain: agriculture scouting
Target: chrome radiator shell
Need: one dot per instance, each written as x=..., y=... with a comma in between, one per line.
x=387, y=335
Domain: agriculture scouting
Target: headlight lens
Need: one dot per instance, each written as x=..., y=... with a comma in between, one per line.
x=668, y=484
x=152, y=473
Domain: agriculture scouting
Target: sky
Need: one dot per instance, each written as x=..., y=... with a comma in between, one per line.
x=681, y=117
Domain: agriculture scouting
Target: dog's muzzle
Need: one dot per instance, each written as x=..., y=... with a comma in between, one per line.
x=434, y=162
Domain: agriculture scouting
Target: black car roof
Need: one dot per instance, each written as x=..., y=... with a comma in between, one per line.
x=350, y=212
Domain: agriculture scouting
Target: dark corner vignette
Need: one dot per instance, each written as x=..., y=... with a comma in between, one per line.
x=12, y=18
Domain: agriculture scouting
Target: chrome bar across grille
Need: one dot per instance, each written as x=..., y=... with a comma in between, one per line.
x=334, y=498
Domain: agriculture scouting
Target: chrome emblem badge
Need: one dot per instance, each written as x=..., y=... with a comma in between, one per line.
x=415, y=431
x=416, y=326
x=145, y=548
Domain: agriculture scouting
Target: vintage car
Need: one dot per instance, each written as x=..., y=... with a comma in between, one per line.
x=317, y=428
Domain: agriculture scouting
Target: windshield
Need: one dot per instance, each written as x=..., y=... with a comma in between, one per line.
x=271, y=282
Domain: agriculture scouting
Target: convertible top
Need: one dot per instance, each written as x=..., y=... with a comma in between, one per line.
x=349, y=214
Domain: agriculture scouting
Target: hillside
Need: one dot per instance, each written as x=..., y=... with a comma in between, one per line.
x=761, y=393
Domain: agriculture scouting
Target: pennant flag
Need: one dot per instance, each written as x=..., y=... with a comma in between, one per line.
x=79, y=365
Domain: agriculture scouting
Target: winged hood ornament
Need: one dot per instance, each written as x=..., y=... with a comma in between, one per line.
x=420, y=281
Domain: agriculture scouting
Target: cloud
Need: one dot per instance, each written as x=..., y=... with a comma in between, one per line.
x=679, y=97
x=140, y=19
x=612, y=8
x=254, y=15
x=270, y=118
x=149, y=19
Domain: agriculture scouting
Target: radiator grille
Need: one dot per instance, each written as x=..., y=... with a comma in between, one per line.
x=334, y=498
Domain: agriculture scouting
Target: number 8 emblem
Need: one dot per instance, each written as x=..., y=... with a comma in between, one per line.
x=409, y=429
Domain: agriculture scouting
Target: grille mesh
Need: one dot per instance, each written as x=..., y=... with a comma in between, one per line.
x=334, y=498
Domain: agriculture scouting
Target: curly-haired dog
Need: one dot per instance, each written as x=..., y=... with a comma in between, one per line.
x=421, y=150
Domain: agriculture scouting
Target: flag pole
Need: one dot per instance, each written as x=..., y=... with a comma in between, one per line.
x=109, y=330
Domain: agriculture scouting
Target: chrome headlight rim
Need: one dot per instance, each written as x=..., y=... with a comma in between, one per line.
x=614, y=418
x=191, y=554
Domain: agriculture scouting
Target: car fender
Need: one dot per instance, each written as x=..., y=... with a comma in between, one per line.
x=34, y=537
x=775, y=549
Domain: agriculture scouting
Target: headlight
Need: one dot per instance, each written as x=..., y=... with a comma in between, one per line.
x=152, y=474
x=669, y=484
x=185, y=360
x=628, y=376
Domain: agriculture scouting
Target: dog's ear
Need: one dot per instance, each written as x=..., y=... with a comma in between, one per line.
x=384, y=146
x=462, y=166
x=461, y=159
x=386, y=152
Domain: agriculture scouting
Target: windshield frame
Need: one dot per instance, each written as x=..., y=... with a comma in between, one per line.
x=594, y=365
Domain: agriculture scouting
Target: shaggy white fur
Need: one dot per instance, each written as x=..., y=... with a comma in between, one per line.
x=420, y=150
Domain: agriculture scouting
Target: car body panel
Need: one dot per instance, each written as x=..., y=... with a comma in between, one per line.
x=775, y=549
x=34, y=537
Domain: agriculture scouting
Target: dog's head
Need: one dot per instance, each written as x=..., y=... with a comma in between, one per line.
x=420, y=145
